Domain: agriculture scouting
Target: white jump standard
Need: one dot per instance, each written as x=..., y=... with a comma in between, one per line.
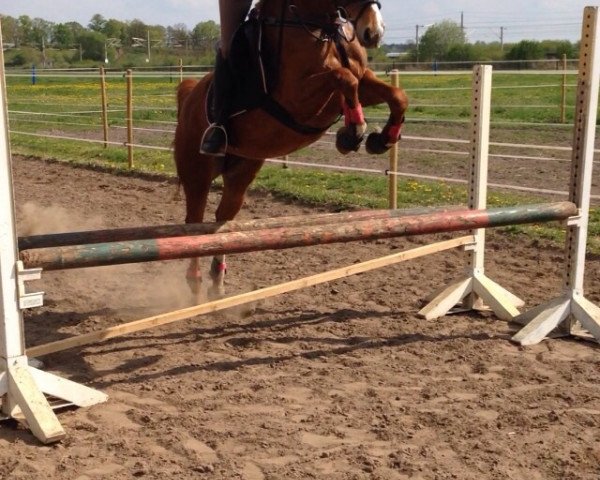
x=572, y=306
x=22, y=387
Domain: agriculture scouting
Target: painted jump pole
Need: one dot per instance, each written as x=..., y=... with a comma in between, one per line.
x=115, y=253
x=189, y=229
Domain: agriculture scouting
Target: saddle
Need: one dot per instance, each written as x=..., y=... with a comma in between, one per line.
x=255, y=70
x=252, y=69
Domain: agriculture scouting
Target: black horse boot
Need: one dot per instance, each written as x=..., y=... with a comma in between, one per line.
x=214, y=141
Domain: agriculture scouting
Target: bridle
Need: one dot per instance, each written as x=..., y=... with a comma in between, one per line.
x=365, y=5
x=329, y=25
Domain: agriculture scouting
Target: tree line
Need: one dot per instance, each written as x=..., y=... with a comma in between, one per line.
x=101, y=40
x=35, y=41
x=446, y=41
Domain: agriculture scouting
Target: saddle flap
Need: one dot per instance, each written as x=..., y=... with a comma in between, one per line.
x=254, y=78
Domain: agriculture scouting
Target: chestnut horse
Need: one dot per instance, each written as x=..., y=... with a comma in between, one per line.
x=321, y=73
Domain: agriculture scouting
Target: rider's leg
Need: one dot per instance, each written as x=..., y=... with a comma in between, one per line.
x=232, y=13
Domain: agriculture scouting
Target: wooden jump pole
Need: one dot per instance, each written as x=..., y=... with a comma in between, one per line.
x=115, y=253
x=244, y=298
x=165, y=231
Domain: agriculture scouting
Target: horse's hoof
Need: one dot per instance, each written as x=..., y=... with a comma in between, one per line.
x=216, y=292
x=376, y=143
x=195, y=285
x=347, y=141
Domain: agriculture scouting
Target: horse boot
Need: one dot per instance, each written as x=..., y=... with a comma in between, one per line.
x=215, y=139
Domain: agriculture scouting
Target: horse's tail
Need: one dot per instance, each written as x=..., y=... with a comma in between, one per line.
x=183, y=90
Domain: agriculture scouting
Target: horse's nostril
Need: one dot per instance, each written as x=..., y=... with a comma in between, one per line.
x=368, y=35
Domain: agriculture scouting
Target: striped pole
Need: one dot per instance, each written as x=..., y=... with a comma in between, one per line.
x=115, y=253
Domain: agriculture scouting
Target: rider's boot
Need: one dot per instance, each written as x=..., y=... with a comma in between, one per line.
x=214, y=141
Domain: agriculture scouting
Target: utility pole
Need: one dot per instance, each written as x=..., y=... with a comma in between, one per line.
x=462, y=22
x=148, y=45
x=502, y=38
x=44, y=52
x=417, y=41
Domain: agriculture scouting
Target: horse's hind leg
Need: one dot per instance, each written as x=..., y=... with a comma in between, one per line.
x=238, y=173
x=196, y=182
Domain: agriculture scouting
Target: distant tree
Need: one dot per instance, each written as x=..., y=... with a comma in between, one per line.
x=205, y=35
x=10, y=30
x=92, y=44
x=25, y=26
x=63, y=36
x=556, y=48
x=136, y=29
x=439, y=39
x=178, y=35
x=475, y=52
x=461, y=53
x=158, y=35
x=526, y=50
x=488, y=51
x=76, y=28
x=97, y=23
x=41, y=31
x=115, y=29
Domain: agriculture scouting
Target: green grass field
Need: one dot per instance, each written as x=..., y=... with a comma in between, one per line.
x=70, y=107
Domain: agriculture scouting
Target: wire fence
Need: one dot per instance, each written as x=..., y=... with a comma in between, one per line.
x=119, y=111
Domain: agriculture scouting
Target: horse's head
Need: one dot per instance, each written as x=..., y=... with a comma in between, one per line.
x=367, y=20
x=365, y=15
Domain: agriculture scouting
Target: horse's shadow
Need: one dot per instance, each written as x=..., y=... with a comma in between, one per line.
x=240, y=336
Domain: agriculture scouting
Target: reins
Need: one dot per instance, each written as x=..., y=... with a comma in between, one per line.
x=331, y=27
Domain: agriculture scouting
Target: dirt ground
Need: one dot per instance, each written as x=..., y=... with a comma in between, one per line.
x=339, y=381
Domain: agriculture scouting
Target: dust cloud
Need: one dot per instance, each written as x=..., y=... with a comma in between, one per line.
x=36, y=219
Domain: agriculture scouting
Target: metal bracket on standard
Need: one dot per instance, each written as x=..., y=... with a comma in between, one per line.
x=33, y=299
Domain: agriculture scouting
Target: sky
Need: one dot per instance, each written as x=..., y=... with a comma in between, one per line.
x=483, y=20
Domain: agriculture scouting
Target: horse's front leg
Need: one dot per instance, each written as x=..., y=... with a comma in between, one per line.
x=196, y=179
x=351, y=135
x=238, y=173
x=373, y=91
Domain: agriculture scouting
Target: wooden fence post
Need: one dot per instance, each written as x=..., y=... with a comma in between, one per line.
x=563, y=102
x=104, y=105
x=393, y=178
x=129, y=114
